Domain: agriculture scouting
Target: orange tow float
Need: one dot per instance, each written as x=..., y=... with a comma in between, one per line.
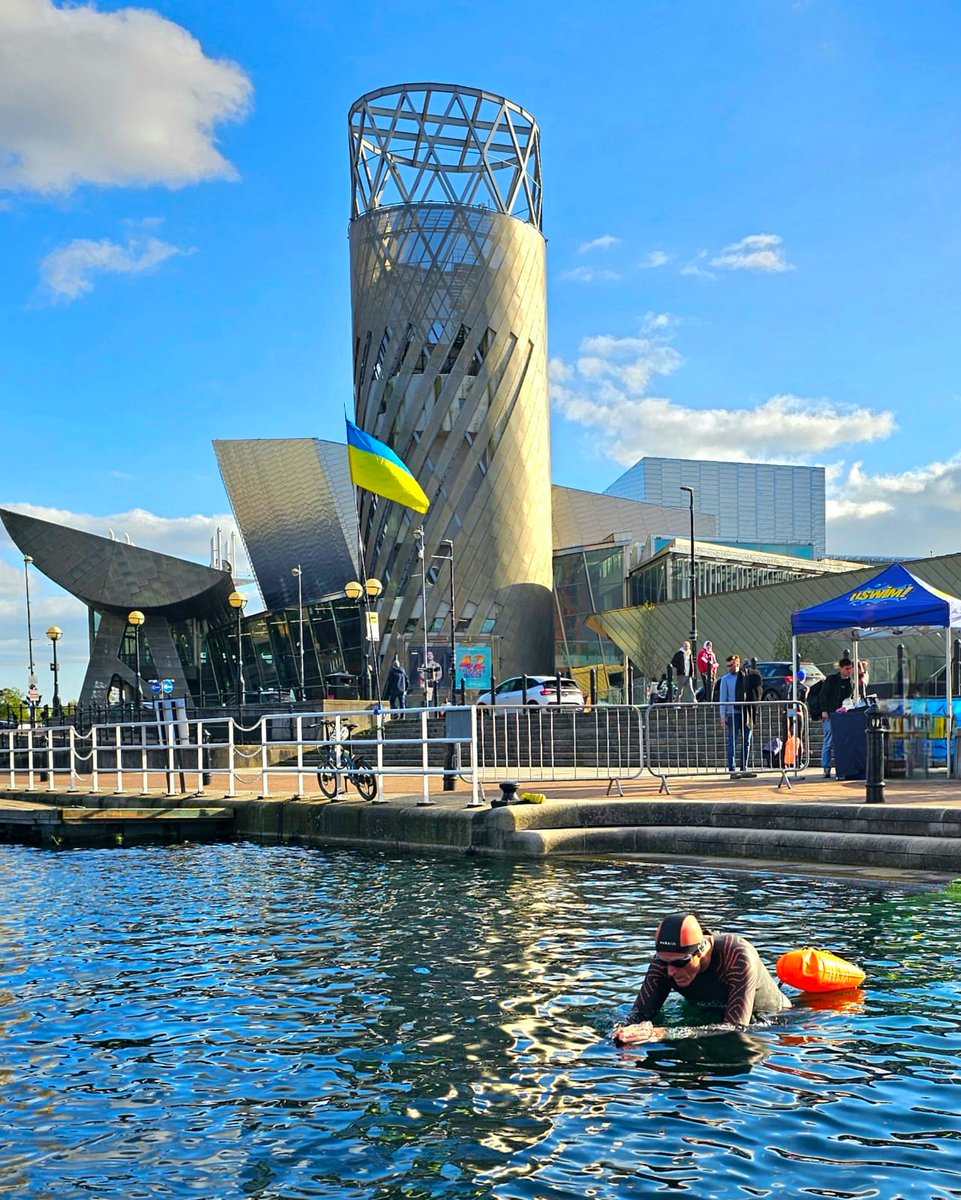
x=814, y=970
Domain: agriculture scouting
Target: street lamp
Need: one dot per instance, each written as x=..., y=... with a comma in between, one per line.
x=364, y=592
x=422, y=555
x=136, y=619
x=237, y=600
x=32, y=685
x=300, y=612
x=449, y=557
x=690, y=496
x=55, y=633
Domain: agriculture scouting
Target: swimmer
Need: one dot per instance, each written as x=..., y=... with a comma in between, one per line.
x=712, y=970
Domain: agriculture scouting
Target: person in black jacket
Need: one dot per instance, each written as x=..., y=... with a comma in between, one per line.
x=834, y=691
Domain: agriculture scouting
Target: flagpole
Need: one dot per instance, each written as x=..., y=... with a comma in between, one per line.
x=374, y=646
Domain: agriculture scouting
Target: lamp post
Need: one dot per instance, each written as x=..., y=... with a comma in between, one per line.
x=136, y=619
x=32, y=684
x=690, y=496
x=449, y=557
x=55, y=633
x=298, y=574
x=237, y=600
x=421, y=554
x=363, y=593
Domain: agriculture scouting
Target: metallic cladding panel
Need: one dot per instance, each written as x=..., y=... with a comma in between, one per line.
x=450, y=339
x=294, y=503
x=104, y=573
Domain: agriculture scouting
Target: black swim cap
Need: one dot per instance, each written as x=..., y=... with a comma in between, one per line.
x=680, y=932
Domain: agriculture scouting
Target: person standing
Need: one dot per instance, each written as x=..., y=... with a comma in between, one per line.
x=683, y=666
x=397, y=685
x=834, y=691
x=707, y=665
x=732, y=714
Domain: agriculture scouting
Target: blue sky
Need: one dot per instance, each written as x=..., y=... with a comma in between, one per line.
x=753, y=247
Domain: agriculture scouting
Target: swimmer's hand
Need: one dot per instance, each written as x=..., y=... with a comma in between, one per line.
x=634, y=1035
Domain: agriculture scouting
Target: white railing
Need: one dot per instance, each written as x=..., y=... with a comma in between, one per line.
x=186, y=753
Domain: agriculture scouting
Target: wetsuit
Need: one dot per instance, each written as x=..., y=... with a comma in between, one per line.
x=736, y=980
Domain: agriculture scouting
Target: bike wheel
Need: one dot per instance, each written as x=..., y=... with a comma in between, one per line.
x=363, y=780
x=327, y=778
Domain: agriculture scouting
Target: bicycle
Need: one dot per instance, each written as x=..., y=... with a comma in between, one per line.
x=340, y=759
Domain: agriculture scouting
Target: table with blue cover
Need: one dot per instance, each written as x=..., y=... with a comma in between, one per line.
x=850, y=742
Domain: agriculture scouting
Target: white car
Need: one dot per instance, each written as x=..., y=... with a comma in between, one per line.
x=541, y=689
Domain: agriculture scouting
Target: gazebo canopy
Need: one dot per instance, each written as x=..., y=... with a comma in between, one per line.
x=894, y=599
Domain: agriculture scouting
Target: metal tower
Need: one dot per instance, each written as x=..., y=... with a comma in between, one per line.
x=450, y=359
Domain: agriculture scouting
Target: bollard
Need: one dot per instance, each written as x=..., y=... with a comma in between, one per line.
x=593, y=687
x=874, y=765
x=508, y=793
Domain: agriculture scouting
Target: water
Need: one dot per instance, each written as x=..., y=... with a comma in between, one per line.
x=231, y=1021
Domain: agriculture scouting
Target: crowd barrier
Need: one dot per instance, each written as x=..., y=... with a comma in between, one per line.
x=541, y=743
x=770, y=737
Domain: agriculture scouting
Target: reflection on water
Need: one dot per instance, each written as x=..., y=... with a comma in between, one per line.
x=240, y=1022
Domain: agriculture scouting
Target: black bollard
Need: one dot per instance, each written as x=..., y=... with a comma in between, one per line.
x=874, y=766
x=593, y=687
x=508, y=793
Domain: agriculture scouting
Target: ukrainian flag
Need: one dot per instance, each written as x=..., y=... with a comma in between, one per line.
x=376, y=468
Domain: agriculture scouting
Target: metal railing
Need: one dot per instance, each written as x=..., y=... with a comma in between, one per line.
x=540, y=743
x=279, y=751
x=186, y=753
x=741, y=739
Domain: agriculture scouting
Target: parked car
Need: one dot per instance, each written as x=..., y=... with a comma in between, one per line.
x=778, y=679
x=541, y=689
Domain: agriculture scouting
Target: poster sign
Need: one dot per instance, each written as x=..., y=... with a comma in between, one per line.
x=474, y=666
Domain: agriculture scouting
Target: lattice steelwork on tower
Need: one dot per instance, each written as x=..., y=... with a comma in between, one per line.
x=450, y=358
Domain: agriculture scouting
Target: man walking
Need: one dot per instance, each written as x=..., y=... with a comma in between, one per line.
x=397, y=685
x=683, y=666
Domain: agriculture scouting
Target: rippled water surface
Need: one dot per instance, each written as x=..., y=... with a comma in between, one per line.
x=231, y=1021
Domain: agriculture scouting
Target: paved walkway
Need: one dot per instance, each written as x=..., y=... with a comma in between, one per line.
x=810, y=788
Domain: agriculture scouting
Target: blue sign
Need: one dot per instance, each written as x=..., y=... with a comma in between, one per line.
x=168, y=686
x=155, y=686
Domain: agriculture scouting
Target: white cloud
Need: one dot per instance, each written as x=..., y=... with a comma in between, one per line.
x=68, y=271
x=588, y=275
x=605, y=242
x=910, y=514
x=655, y=258
x=124, y=98
x=606, y=388
x=758, y=252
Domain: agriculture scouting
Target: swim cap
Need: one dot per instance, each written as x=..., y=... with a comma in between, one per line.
x=679, y=932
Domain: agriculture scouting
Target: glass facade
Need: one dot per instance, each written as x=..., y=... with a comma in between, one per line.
x=587, y=581
x=333, y=655
x=668, y=577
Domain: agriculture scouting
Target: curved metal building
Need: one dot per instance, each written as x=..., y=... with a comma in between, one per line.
x=450, y=359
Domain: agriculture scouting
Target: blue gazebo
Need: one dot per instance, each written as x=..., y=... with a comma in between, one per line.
x=893, y=601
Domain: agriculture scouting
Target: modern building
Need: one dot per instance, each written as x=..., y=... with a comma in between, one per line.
x=757, y=621
x=294, y=505
x=448, y=288
x=762, y=506
x=180, y=601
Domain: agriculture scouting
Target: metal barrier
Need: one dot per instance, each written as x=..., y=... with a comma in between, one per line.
x=693, y=739
x=185, y=753
x=539, y=743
